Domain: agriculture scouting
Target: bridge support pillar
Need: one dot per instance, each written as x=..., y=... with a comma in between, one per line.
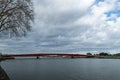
x=72, y=56
x=37, y=57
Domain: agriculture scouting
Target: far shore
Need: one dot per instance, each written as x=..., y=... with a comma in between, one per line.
x=108, y=57
x=96, y=57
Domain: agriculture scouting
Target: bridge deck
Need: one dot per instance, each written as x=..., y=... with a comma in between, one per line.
x=46, y=54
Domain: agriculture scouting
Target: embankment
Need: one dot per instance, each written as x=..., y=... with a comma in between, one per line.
x=3, y=75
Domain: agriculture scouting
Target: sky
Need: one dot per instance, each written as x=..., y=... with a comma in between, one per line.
x=70, y=26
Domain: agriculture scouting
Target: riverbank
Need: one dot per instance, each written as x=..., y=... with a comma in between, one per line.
x=3, y=75
x=6, y=58
x=90, y=56
x=108, y=57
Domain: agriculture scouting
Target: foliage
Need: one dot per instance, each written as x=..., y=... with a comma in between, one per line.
x=103, y=54
x=89, y=53
x=15, y=17
x=117, y=54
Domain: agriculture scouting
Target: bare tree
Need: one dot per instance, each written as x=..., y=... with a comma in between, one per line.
x=15, y=17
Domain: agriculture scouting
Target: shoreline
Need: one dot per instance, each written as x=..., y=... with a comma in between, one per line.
x=97, y=57
x=108, y=57
x=3, y=75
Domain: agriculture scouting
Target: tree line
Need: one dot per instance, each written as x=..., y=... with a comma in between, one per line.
x=104, y=54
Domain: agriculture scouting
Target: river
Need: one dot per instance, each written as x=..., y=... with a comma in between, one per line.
x=62, y=69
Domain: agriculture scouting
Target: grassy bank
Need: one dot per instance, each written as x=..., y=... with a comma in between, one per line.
x=108, y=57
x=3, y=75
x=6, y=58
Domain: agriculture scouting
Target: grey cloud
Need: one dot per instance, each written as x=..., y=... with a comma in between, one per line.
x=57, y=31
x=63, y=18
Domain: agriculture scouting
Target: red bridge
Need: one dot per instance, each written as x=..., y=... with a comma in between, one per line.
x=47, y=54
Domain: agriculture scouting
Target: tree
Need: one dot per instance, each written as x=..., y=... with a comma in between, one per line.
x=15, y=17
x=117, y=54
x=0, y=56
x=104, y=54
x=89, y=53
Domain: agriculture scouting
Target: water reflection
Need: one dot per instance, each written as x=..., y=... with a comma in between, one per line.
x=3, y=75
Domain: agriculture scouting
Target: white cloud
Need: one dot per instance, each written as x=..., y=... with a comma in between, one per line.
x=103, y=7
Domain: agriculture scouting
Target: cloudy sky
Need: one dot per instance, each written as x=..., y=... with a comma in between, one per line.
x=70, y=26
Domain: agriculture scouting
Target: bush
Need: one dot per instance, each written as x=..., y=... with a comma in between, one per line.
x=104, y=54
x=89, y=53
x=118, y=54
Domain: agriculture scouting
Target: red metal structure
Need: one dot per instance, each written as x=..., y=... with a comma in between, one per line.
x=46, y=54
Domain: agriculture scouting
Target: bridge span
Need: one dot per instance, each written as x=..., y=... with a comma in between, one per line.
x=47, y=54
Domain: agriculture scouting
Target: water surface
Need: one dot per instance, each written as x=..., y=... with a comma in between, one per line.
x=62, y=69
